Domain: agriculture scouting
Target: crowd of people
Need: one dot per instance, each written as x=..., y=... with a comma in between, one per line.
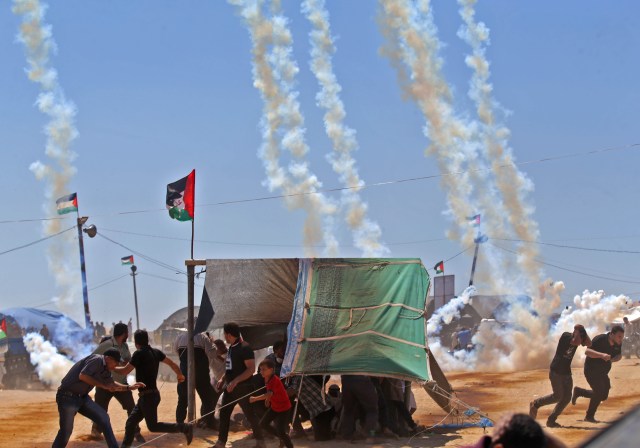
x=360, y=408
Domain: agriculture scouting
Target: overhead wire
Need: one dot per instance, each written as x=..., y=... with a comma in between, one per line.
x=36, y=241
x=565, y=246
x=361, y=187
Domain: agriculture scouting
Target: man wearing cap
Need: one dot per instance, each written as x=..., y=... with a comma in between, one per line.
x=102, y=396
x=560, y=374
x=606, y=349
x=73, y=394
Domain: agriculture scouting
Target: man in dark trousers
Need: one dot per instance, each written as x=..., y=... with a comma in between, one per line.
x=560, y=375
x=103, y=396
x=73, y=395
x=240, y=366
x=202, y=350
x=606, y=349
x=146, y=360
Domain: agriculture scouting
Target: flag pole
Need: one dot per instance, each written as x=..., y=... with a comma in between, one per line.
x=192, y=232
x=83, y=271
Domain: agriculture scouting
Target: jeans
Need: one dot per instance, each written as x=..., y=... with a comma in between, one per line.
x=358, y=390
x=281, y=429
x=208, y=396
x=242, y=389
x=600, y=385
x=562, y=386
x=68, y=406
x=103, y=397
x=147, y=409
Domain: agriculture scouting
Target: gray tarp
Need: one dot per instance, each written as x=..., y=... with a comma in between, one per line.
x=253, y=292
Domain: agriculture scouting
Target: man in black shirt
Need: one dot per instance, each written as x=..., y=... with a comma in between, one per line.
x=560, y=374
x=146, y=360
x=606, y=349
x=73, y=395
x=240, y=366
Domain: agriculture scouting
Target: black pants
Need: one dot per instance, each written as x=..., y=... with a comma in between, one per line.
x=358, y=390
x=242, y=389
x=600, y=386
x=147, y=409
x=562, y=386
x=125, y=398
x=281, y=429
x=208, y=399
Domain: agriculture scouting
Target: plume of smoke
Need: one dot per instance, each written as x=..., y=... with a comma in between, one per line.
x=283, y=124
x=411, y=39
x=60, y=131
x=50, y=365
x=512, y=185
x=366, y=232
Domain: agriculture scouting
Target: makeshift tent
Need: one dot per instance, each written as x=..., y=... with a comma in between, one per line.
x=359, y=316
x=59, y=325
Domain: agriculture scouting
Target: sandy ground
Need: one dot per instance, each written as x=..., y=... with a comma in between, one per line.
x=30, y=418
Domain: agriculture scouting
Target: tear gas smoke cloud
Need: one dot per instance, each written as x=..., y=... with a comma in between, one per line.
x=50, y=365
x=366, y=232
x=282, y=123
x=60, y=131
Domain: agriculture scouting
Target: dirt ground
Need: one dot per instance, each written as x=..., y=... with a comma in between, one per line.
x=30, y=418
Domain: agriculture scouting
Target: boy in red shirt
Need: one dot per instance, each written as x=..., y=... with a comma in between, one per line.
x=277, y=400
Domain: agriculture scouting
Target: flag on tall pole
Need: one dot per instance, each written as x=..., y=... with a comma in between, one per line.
x=439, y=267
x=181, y=198
x=474, y=220
x=127, y=260
x=67, y=204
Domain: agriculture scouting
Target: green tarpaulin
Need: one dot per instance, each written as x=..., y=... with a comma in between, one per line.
x=359, y=316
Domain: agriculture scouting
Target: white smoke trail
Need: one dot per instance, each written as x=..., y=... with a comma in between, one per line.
x=412, y=39
x=367, y=233
x=60, y=131
x=50, y=365
x=283, y=124
x=512, y=185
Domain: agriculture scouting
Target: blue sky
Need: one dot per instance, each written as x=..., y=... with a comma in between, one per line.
x=164, y=87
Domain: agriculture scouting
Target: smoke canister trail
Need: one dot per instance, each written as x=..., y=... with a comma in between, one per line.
x=418, y=45
x=50, y=365
x=36, y=36
x=283, y=125
x=512, y=185
x=366, y=233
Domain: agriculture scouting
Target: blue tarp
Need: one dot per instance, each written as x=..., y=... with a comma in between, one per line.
x=32, y=317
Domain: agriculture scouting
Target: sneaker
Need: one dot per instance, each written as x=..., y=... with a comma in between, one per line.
x=219, y=444
x=139, y=438
x=574, y=396
x=533, y=410
x=188, y=432
x=590, y=419
x=553, y=424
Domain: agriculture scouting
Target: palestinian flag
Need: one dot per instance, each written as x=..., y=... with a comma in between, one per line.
x=474, y=220
x=439, y=267
x=181, y=198
x=67, y=204
x=3, y=329
x=127, y=260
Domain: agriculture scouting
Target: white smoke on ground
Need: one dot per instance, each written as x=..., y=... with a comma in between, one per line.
x=503, y=345
x=366, y=233
x=36, y=36
x=50, y=365
x=282, y=123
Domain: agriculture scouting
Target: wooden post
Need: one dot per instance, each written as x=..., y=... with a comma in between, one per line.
x=191, y=371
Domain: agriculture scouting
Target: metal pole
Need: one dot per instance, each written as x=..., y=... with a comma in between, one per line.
x=191, y=371
x=135, y=295
x=473, y=266
x=85, y=292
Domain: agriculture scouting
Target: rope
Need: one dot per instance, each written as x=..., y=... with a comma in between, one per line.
x=205, y=415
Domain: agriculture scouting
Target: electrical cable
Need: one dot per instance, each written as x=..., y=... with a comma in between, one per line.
x=36, y=242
